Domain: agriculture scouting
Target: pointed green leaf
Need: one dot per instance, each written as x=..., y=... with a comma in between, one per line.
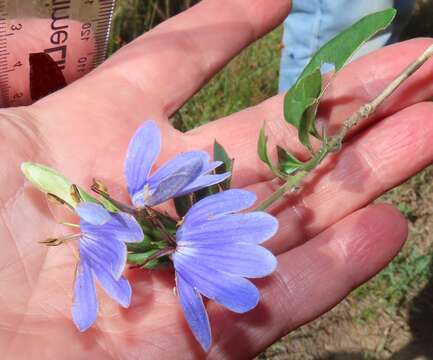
x=220, y=154
x=287, y=163
x=141, y=258
x=262, y=148
x=299, y=99
x=182, y=205
x=205, y=192
x=142, y=246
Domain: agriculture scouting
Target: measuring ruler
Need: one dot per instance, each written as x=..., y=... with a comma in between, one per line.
x=46, y=44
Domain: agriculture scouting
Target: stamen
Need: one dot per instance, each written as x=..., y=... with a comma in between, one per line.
x=69, y=224
x=75, y=194
x=55, y=199
x=96, y=187
x=60, y=240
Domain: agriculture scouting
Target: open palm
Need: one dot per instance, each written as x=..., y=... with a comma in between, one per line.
x=327, y=244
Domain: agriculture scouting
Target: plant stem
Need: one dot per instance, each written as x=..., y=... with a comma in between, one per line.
x=335, y=142
x=157, y=223
x=291, y=183
x=367, y=110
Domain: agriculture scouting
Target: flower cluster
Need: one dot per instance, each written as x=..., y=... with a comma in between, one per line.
x=214, y=248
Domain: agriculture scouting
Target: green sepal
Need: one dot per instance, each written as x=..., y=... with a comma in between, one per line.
x=50, y=181
x=141, y=258
x=287, y=162
x=141, y=246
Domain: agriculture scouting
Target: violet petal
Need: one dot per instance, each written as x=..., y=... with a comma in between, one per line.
x=234, y=292
x=92, y=213
x=225, y=202
x=247, y=260
x=195, y=312
x=254, y=228
x=121, y=226
x=202, y=182
x=85, y=306
x=143, y=150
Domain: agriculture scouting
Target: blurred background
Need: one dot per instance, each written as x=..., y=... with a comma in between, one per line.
x=390, y=317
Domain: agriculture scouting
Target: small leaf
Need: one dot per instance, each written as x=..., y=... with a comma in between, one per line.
x=205, y=192
x=182, y=205
x=142, y=258
x=220, y=154
x=262, y=148
x=227, y=165
x=141, y=246
x=287, y=163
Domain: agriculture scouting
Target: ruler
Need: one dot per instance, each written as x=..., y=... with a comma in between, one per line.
x=46, y=44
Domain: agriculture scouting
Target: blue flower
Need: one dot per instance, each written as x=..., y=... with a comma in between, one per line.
x=186, y=173
x=217, y=249
x=102, y=256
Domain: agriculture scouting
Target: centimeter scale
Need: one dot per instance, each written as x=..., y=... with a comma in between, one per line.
x=46, y=44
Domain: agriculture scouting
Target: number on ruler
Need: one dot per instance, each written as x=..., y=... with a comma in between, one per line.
x=85, y=31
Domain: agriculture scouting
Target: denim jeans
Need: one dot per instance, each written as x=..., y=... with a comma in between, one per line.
x=313, y=22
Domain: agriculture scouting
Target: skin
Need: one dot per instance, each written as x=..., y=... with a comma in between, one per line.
x=330, y=240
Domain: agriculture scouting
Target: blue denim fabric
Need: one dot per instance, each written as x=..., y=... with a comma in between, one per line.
x=313, y=22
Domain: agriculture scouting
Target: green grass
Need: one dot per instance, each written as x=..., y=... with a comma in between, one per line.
x=407, y=273
x=396, y=285
x=248, y=80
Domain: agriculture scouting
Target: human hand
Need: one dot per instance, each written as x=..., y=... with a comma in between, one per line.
x=325, y=246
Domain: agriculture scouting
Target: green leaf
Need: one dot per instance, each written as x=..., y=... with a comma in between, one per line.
x=182, y=205
x=205, y=192
x=141, y=246
x=287, y=163
x=141, y=258
x=339, y=49
x=220, y=154
x=51, y=181
x=299, y=99
x=262, y=148
x=306, y=92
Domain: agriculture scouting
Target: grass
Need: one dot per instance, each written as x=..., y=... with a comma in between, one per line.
x=248, y=80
